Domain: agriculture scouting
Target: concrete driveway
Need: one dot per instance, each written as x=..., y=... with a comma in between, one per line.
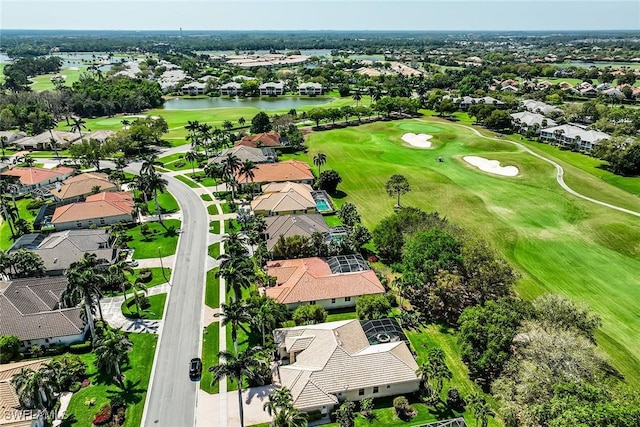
x=253, y=398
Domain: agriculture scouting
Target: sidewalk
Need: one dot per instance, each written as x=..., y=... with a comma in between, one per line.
x=253, y=399
x=111, y=309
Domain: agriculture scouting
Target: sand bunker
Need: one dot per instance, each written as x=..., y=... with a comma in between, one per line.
x=491, y=166
x=420, y=140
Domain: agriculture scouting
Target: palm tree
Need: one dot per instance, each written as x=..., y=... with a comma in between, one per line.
x=235, y=314
x=237, y=272
x=77, y=125
x=230, y=166
x=247, y=169
x=3, y=144
x=33, y=388
x=148, y=164
x=156, y=183
x=84, y=284
x=241, y=121
x=357, y=97
x=191, y=157
x=480, y=408
x=112, y=351
x=234, y=243
x=238, y=367
x=319, y=160
x=266, y=314
x=227, y=125
x=9, y=212
x=117, y=275
x=280, y=407
x=28, y=160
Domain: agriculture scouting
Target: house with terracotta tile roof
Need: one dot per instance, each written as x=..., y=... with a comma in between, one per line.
x=284, y=199
x=333, y=282
x=326, y=364
x=268, y=139
x=291, y=170
x=79, y=186
x=99, y=209
x=31, y=309
x=32, y=178
x=12, y=414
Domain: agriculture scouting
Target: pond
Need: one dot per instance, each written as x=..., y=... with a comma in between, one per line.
x=279, y=103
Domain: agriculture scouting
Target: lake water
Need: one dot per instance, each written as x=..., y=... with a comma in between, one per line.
x=279, y=103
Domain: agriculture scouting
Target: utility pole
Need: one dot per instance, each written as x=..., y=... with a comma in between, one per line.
x=162, y=265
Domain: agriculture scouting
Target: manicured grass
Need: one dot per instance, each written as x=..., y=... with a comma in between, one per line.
x=204, y=180
x=43, y=82
x=341, y=314
x=153, y=312
x=187, y=181
x=23, y=212
x=212, y=209
x=558, y=243
x=206, y=197
x=102, y=388
x=167, y=202
x=171, y=158
x=212, y=291
x=210, y=348
x=231, y=224
x=332, y=220
x=226, y=208
x=214, y=227
x=214, y=250
x=157, y=278
x=159, y=241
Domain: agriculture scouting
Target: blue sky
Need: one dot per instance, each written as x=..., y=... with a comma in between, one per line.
x=422, y=15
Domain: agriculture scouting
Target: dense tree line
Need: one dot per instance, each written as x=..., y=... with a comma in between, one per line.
x=17, y=73
x=622, y=154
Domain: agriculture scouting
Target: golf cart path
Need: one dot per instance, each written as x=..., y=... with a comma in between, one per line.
x=559, y=172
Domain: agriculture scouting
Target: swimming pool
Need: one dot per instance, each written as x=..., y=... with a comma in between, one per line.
x=323, y=203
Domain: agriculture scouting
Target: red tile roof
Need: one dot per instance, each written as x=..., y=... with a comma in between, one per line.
x=33, y=175
x=92, y=209
x=311, y=279
x=271, y=139
x=291, y=170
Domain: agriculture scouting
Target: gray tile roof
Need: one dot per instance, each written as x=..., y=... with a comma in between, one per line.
x=28, y=308
x=293, y=225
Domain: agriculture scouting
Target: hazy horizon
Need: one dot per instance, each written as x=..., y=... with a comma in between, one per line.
x=322, y=15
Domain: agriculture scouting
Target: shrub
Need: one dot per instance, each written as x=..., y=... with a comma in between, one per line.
x=80, y=348
x=36, y=350
x=75, y=387
x=314, y=415
x=144, y=302
x=179, y=164
x=90, y=402
x=369, y=307
x=455, y=400
x=9, y=348
x=309, y=314
x=329, y=181
x=86, y=383
x=35, y=204
x=403, y=409
x=145, y=275
x=103, y=416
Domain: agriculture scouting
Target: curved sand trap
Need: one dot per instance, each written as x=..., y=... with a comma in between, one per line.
x=420, y=140
x=491, y=166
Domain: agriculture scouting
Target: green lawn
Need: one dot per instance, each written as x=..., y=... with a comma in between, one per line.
x=559, y=243
x=214, y=250
x=212, y=291
x=341, y=314
x=226, y=208
x=206, y=197
x=167, y=202
x=157, y=278
x=153, y=312
x=29, y=215
x=158, y=242
x=137, y=373
x=212, y=209
x=43, y=82
x=187, y=181
x=204, y=180
x=214, y=227
x=210, y=348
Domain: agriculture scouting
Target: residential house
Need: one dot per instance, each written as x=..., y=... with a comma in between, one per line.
x=569, y=135
x=99, y=135
x=466, y=101
x=31, y=309
x=12, y=414
x=565, y=85
x=271, y=89
x=80, y=186
x=97, y=210
x=293, y=225
x=509, y=82
x=334, y=282
x=32, y=178
x=589, y=91
x=310, y=89
x=526, y=120
x=291, y=170
x=43, y=141
x=11, y=136
x=543, y=85
x=540, y=107
x=59, y=250
x=231, y=89
x=614, y=93
x=270, y=139
x=284, y=199
x=193, y=88
x=244, y=153
x=509, y=88
x=329, y=363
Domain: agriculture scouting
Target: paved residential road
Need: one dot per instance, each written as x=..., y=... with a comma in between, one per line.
x=172, y=396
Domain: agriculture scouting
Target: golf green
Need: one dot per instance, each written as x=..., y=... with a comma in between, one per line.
x=558, y=242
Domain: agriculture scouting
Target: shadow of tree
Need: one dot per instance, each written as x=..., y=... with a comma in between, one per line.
x=129, y=392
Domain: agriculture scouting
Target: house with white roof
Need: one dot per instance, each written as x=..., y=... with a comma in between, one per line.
x=466, y=101
x=231, y=89
x=569, y=135
x=329, y=363
x=310, y=89
x=540, y=107
x=271, y=89
x=193, y=88
x=525, y=120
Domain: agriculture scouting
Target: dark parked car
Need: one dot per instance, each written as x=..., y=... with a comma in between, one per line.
x=195, y=368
